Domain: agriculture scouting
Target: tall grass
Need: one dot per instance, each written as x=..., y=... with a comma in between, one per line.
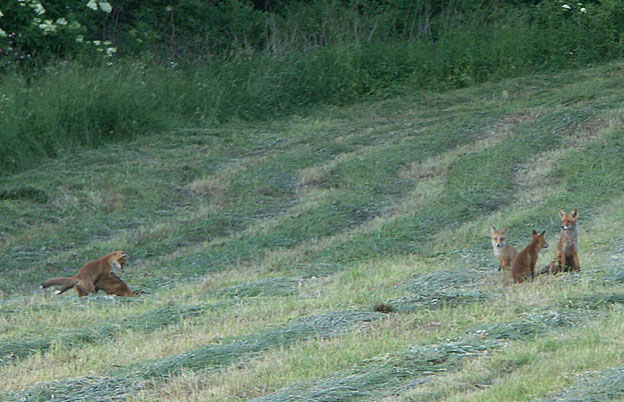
x=71, y=104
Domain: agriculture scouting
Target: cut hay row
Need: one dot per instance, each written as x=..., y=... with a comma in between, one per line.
x=598, y=386
x=213, y=356
x=150, y=321
x=418, y=364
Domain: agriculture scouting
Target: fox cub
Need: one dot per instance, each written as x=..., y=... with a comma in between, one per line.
x=504, y=251
x=566, y=253
x=95, y=275
x=523, y=266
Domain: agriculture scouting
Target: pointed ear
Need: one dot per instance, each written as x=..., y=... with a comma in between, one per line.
x=575, y=212
x=562, y=213
x=543, y=233
x=534, y=231
x=492, y=229
x=505, y=231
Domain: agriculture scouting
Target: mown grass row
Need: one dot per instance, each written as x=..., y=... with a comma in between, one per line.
x=413, y=366
x=11, y=349
x=207, y=357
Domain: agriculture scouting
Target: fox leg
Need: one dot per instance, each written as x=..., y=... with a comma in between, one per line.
x=554, y=266
x=576, y=266
x=84, y=288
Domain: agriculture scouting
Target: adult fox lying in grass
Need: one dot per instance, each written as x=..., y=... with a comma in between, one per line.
x=94, y=276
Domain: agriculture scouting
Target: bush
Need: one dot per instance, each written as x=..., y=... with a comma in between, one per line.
x=37, y=31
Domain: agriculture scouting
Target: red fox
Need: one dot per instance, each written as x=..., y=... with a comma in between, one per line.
x=86, y=280
x=566, y=253
x=113, y=285
x=523, y=266
x=504, y=251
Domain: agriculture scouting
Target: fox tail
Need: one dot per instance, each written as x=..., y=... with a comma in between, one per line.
x=65, y=282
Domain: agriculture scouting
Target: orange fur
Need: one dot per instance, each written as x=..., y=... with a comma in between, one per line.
x=504, y=251
x=566, y=253
x=86, y=281
x=523, y=266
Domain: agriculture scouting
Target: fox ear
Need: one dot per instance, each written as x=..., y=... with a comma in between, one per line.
x=505, y=230
x=542, y=234
x=562, y=213
x=574, y=212
x=492, y=229
x=534, y=231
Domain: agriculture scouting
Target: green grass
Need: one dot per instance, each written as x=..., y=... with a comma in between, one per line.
x=265, y=247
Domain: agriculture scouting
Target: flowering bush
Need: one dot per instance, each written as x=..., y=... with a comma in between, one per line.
x=39, y=30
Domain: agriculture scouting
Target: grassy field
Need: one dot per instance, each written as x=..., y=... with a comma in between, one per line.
x=264, y=247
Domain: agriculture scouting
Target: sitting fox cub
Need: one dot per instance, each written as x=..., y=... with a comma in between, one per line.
x=523, y=266
x=504, y=251
x=96, y=275
x=566, y=253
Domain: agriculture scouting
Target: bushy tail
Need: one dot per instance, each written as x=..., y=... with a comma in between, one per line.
x=65, y=282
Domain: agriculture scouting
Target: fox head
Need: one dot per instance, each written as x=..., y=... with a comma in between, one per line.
x=568, y=221
x=117, y=260
x=539, y=239
x=499, y=237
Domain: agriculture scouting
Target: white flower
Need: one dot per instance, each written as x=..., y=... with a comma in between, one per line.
x=567, y=7
x=583, y=10
x=92, y=5
x=80, y=38
x=47, y=26
x=105, y=6
x=61, y=21
x=97, y=42
x=2, y=33
x=110, y=51
x=1, y=14
x=39, y=9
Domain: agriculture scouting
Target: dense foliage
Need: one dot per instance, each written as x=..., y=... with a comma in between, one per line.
x=85, y=71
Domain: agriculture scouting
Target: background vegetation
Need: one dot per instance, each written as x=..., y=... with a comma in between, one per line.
x=84, y=73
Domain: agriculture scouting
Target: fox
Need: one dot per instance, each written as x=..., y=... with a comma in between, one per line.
x=523, y=266
x=114, y=285
x=504, y=251
x=87, y=277
x=566, y=253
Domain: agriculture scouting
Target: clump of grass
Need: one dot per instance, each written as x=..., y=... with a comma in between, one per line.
x=593, y=301
x=603, y=385
x=533, y=324
x=262, y=287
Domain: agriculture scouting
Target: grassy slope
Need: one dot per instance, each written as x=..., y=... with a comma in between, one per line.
x=264, y=247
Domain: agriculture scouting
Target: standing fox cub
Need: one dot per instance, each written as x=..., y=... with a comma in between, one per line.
x=523, y=266
x=504, y=251
x=96, y=275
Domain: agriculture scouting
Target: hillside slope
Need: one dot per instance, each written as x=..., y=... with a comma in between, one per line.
x=264, y=247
